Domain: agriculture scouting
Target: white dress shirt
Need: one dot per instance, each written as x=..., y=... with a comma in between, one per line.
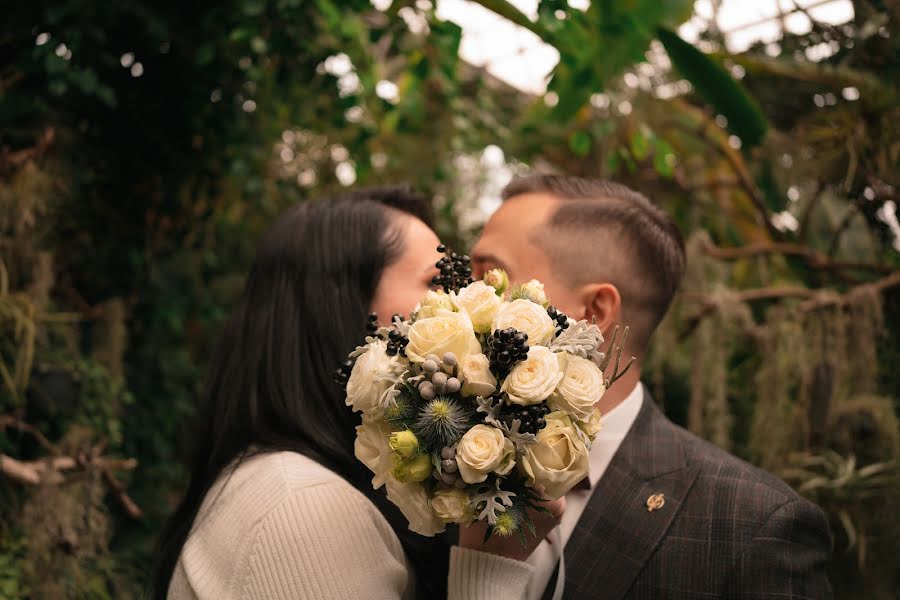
x=616, y=424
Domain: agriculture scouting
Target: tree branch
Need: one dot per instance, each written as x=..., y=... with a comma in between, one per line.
x=814, y=299
x=50, y=469
x=14, y=422
x=813, y=257
x=878, y=286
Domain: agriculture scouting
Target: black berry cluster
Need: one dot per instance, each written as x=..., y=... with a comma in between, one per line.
x=456, y=271
x=372, y=324
x=531, y=418
x=562, y=321
x=342, y=374
x=506, y=347
x=397, y=343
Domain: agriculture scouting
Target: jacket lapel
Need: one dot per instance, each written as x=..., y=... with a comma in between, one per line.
x=617, y=534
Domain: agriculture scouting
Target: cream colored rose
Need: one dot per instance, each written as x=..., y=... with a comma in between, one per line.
x=481, y=302
x=372, y=377
x=558, y=460
x=481, y=450
x=534, y=379
x=372, y=449
x=581, y=386
x=592, y=426
x=475, y=372
x=527, y=317
x=447, y=331
x=432, y=302
x=412, y=500
x=534, y=291
x=497, y=279
x=451, y=505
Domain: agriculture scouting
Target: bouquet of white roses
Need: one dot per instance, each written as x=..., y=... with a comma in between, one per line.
x=480, y=395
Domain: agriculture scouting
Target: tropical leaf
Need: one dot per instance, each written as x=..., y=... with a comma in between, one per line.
x=715, y=85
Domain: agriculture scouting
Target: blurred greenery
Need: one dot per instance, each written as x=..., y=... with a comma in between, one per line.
x=144, y=146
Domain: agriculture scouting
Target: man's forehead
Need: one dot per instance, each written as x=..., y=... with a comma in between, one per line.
x=507, y=236
x=532, y=208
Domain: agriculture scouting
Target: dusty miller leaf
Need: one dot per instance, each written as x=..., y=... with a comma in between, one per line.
x=491, y=411
x=495, y=500
x=580, y=339
x=520, y=439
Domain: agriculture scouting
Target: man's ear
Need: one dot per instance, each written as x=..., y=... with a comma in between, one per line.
x=603, y=302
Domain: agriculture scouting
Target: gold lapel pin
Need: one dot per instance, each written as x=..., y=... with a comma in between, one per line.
x=656, y=502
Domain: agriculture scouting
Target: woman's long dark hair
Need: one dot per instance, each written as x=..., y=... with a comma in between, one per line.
x=270, y=387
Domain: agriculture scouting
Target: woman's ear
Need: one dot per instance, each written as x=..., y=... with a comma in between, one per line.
x=603, y=302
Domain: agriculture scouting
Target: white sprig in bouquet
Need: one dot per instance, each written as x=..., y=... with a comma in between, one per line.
x=480, y=395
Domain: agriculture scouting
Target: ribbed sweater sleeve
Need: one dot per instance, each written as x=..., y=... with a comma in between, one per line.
x=478, y=575
x=322, y=543
x=286, y=528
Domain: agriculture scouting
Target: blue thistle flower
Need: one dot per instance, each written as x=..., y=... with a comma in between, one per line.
x=441, y=422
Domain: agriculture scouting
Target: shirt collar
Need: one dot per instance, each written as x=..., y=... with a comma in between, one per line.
x=615, y=426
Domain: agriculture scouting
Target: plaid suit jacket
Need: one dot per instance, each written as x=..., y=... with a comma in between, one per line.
x=726, y=530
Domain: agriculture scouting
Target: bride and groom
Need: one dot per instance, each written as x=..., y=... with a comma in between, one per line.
x=279, y=507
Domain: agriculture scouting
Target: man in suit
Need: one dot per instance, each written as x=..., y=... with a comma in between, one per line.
x=663, y=513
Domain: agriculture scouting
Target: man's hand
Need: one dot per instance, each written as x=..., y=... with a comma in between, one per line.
x=511, y=546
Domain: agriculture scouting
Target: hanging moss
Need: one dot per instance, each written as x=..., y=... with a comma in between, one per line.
x=67, y=532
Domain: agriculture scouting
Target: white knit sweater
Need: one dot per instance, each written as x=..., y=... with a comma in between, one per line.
x=284, y=527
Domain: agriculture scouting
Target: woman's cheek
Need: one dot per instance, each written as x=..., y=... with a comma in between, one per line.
x=406, y=299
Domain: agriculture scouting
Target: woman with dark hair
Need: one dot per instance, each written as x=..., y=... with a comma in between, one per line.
x=277, y=505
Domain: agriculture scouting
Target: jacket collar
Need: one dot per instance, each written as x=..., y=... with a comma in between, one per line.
x=617, y=533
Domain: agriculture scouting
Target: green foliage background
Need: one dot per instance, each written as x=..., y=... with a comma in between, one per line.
x=131, y=200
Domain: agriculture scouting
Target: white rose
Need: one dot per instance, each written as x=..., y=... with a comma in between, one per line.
x=534, y=379
x=451, y=505
x=592, y=426
x=372, y=449
x=527, y=317
x=481, y=302
x=497, y=279
x=433, y=301
x=373, y=375
x=481, y=450
x=581, y=386
x=445, y=332
x=412, y=500
x=558, y=460
x=534, y=291
x=475, y=372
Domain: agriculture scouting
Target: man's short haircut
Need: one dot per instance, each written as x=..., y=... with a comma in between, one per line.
x=606, y=232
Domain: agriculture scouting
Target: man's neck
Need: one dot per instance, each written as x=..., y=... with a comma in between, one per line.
x=617, y=393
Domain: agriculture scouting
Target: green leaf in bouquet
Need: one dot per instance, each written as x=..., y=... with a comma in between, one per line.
x=436, y=461
x=529, y=524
